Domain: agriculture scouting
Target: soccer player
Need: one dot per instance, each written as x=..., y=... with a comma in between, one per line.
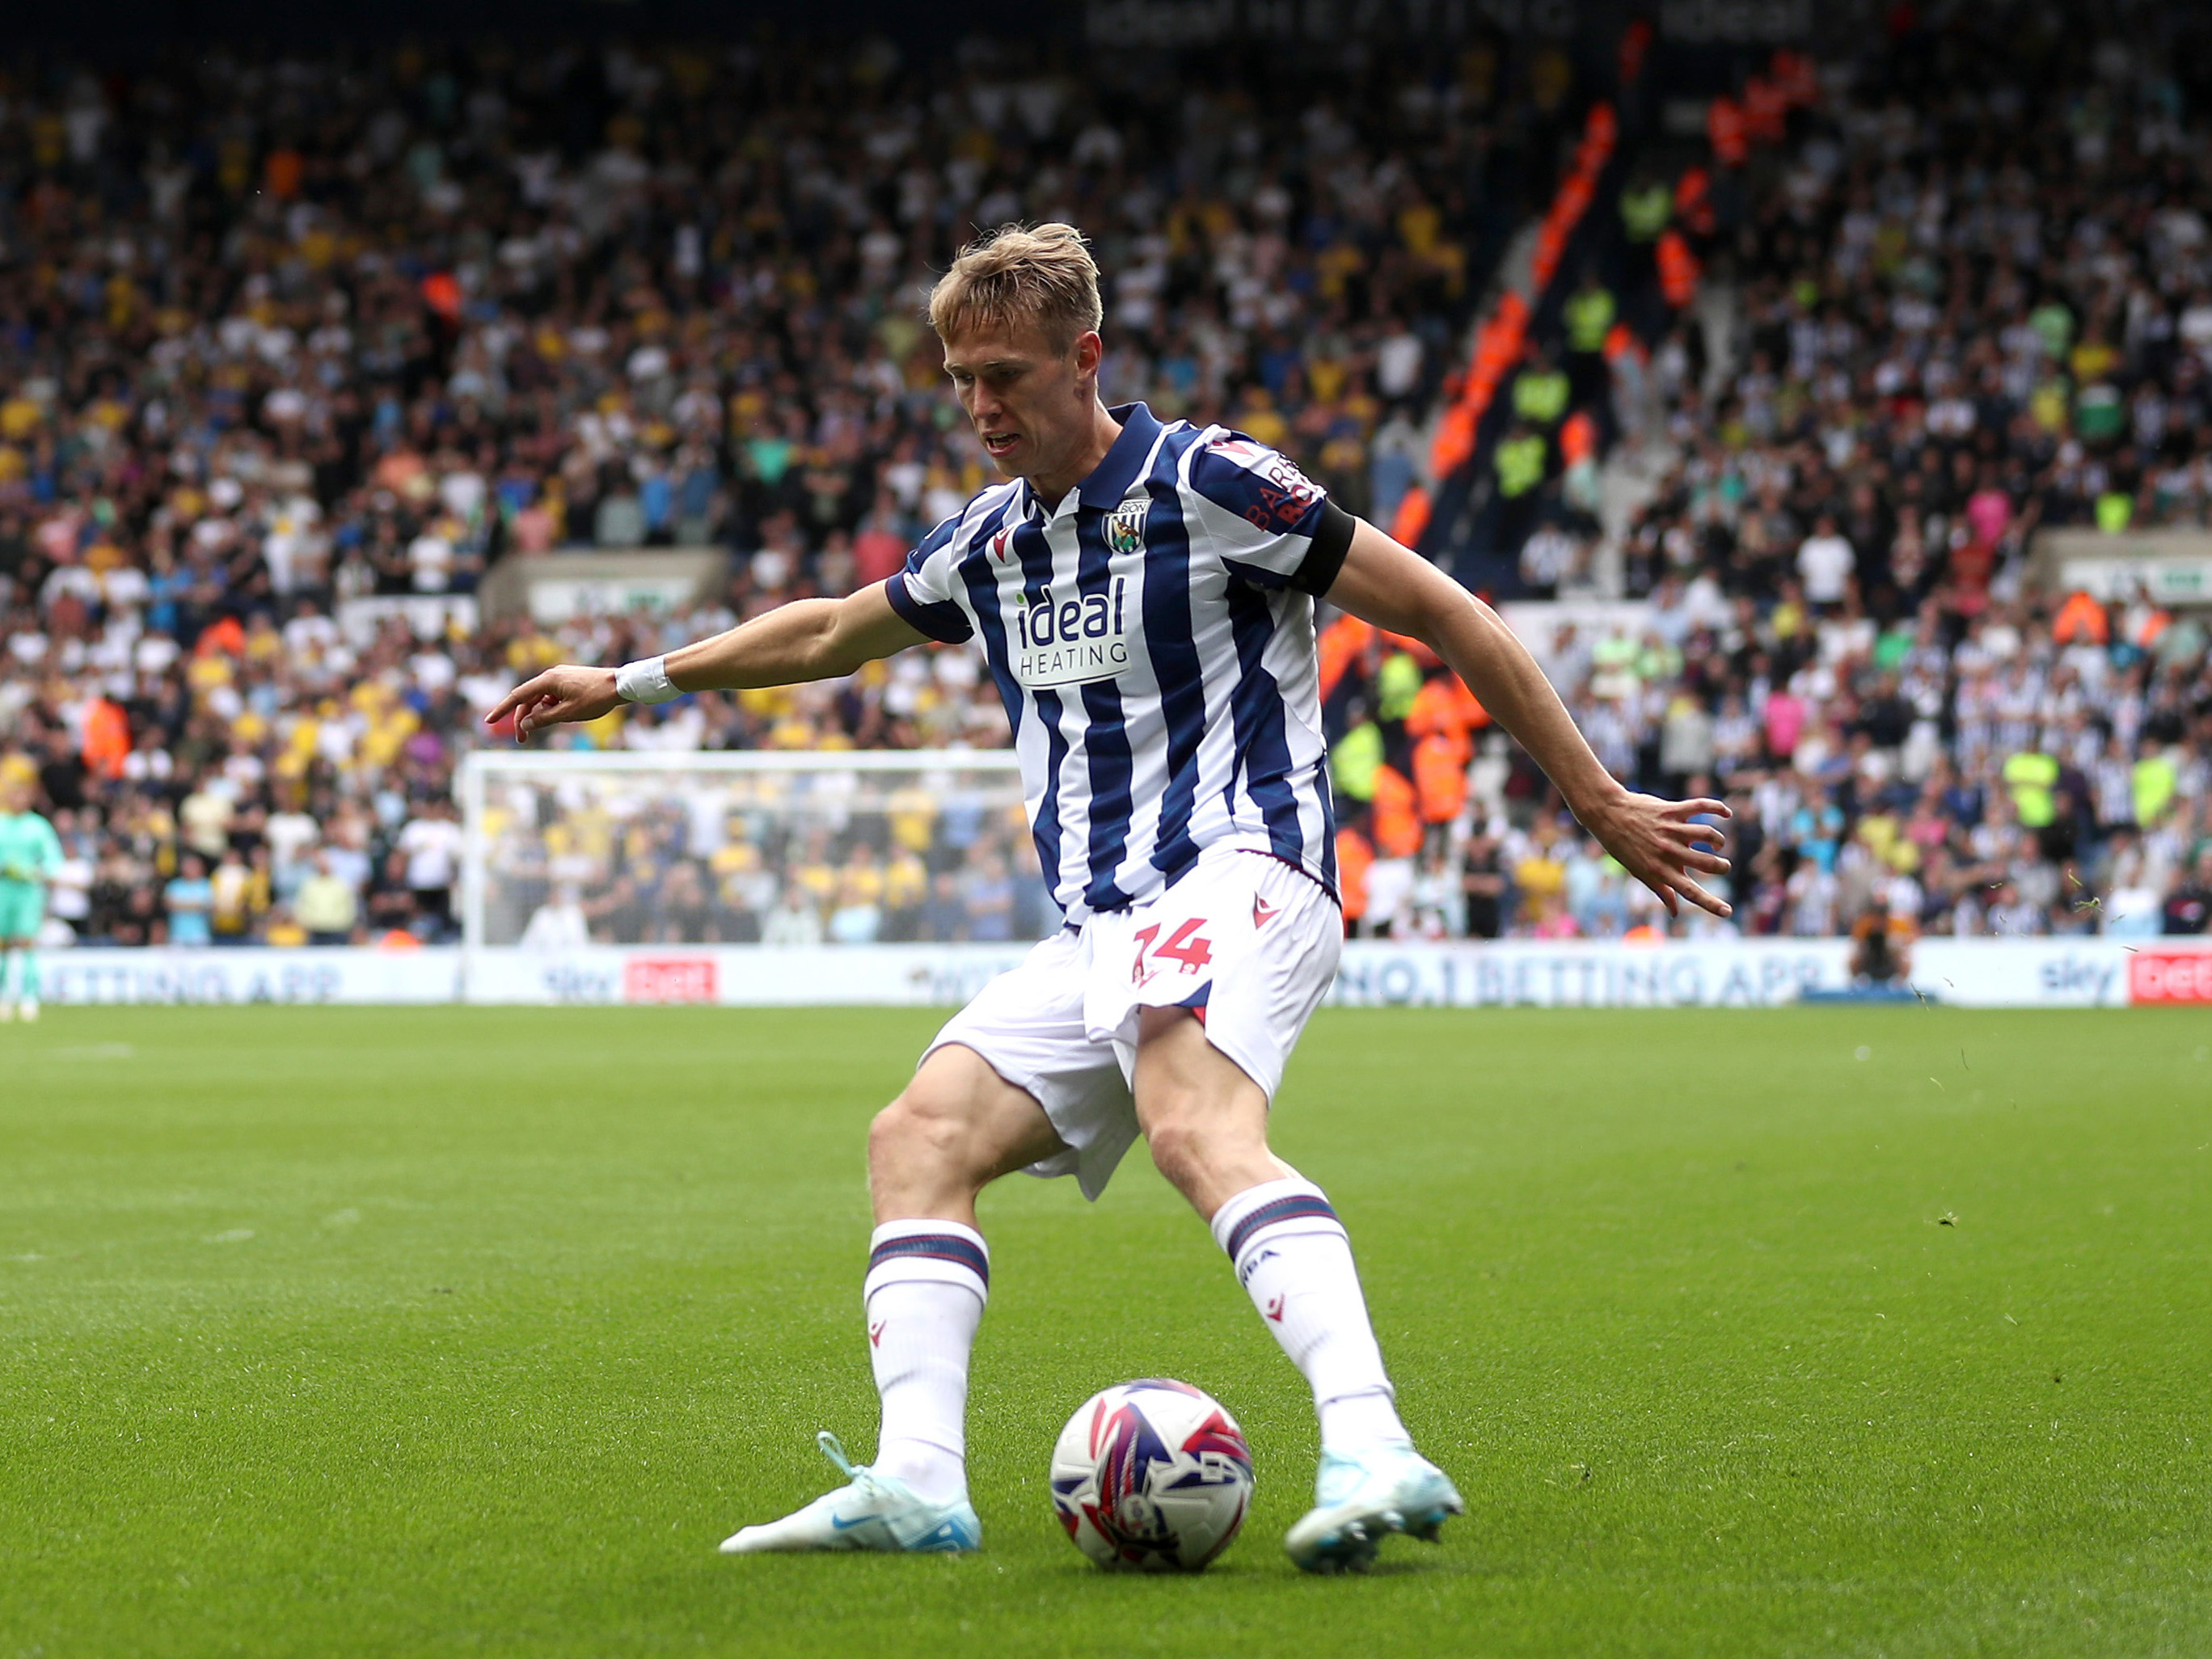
x=1143, y=593
x=30, y=858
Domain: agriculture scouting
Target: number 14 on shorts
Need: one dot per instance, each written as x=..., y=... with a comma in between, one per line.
x=1187, y=946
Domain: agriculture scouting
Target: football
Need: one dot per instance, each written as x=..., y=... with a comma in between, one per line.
x=1151, y=1476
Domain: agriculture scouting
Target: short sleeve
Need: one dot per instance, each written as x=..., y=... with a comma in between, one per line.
x=923, y=592
x=1273, y=525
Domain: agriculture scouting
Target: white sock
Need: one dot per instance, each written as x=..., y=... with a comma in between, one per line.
x=1292, y=1256
x=926, y=1285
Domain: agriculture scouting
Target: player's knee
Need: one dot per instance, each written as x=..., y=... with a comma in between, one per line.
x=919, y=1129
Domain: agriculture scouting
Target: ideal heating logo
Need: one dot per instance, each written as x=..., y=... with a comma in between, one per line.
x=1074, y=641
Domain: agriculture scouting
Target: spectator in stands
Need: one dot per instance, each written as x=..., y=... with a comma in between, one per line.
x=1590, y=315
x=325, y=905
x=432, y=843
x=1827, y=565
x=1520, y=459
x=189, y=898
x=1483, y=880
x=2188, y=908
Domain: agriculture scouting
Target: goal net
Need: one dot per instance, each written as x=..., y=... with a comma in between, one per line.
x=571, y=848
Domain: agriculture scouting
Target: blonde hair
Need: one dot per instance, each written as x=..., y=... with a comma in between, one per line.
x=1017, y=274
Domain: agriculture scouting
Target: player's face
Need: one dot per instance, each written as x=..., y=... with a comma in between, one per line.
x=1030, y=404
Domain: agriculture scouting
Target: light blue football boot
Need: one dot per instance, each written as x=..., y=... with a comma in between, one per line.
x=875, y=1512
x=1360, y=1499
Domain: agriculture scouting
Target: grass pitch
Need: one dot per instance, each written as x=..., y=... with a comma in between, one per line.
x=468, y=1331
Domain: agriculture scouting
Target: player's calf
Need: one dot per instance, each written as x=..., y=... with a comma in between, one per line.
x=1294, y=1258
x=958, y=1125
x=1206, y=1122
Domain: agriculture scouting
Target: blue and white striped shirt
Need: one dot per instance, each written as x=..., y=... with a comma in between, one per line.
x=1152, y=637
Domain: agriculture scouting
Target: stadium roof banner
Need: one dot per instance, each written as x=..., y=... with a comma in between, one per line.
x=1171, y=23
x=127, y=27
x=124, y=30
x=1209, y=22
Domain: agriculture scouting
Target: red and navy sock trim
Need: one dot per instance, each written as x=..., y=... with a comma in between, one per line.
x=935, y=1247
x=1299, y=1207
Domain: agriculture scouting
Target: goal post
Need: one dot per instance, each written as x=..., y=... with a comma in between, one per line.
x=566, y=850
x=878, y=878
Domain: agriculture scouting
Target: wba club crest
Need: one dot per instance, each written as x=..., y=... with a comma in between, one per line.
x=1125, y=527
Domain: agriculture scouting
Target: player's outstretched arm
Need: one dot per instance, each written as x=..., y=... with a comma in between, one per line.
x=805, y=639
x=1656, y=841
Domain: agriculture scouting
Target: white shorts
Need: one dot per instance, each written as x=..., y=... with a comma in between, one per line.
x=1245, y=940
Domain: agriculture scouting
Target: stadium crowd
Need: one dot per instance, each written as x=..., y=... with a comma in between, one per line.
x=1965, y=314
x=282, y=339
x=283, y=336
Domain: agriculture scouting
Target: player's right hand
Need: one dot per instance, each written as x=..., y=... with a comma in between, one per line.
x=567, y=693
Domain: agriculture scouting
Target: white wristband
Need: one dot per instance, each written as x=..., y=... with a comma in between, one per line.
x=646, y=682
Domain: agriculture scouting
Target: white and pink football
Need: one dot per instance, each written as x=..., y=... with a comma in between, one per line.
x=1151, y=1476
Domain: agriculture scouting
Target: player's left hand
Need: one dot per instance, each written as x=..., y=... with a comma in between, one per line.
x=1658, y=842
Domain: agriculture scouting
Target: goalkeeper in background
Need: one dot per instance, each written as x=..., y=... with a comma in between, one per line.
x=30, y=857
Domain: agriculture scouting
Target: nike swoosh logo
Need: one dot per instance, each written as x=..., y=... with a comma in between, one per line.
x=843, y=1525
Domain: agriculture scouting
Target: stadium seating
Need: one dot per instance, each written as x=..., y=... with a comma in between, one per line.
x=1949, y=329
x=1954, y=329
x=293, y=344
x=297, y=344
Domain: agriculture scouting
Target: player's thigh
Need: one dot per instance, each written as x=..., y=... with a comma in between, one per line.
x=959, y=1115
x=1184, y=1082
x=1029, y=1027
